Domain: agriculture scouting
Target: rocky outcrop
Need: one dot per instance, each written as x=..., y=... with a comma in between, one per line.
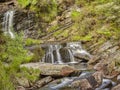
x=108, y=57
x=20, y=88
x=116, y=87
x=41, y=83
x=52, y=70
x=88, y=83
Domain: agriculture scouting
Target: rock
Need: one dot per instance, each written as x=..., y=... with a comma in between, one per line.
x=98, y=77
x=20, y=88
x=89, y=83
x=42, y=82
x=83, y=84
x=118, y=78
x=116, y=87
x=23, y=82
x=99, y=66
x=83, y=57
x=106, y=84
x=52, y=69
x=94, y=60
x=105, y=46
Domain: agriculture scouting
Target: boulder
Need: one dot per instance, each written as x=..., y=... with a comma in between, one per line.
x=42, y=82
x=20, y=88
x=116, y=87
x=54, y=70
x=88, y=83
x=23, y=82
x=83, y=57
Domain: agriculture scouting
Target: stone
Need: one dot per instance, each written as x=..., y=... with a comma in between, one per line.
x=116, y=87
x=118, y=78
x=54, y=70
x=83, y=84
x=99, y=66
x=23, y=82
x=98, y=77
x=89, y=83
x=42, y=82
x=94, y=60
x=20, y=88
x=83, y=57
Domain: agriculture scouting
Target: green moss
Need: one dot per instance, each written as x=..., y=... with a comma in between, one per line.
x=53, y=28
x=5, y=83
x=37, y=54
x=30, y=74
x=30, y=41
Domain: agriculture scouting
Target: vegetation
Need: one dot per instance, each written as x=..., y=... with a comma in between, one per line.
x=97, y=21
x=12, y=55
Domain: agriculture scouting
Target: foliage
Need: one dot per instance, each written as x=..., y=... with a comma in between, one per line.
x=5, y=83
x=12, y=54
x=98, y=19
x=30, y=41
x=11, y=47
x=30, y=74
x=37, y=54
x=26, y=3
x=46, y=10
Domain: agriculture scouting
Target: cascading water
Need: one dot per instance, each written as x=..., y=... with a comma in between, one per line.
x=76, y=47
x=57, y=48
x=72, y=59
x=57, y=54
x=49, y=55
x=8, y=23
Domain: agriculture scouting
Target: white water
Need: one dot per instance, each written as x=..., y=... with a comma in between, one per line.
x=53, y=53
x=72, y=59
x=49, y=53
x=59, y=59
x=8, y=23
x=77, y=48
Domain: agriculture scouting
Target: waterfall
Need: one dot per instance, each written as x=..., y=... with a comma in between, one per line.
x=72, y=59
x=8, y=23
x=59, y=59
x=58, y=54
x=49, y=55
x=76, y=47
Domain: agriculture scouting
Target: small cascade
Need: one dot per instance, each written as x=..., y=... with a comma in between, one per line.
x=58, y=54
x=57, y=48
x=49, y=55
x=76, y=47
x=72, y=59
x=8, y=23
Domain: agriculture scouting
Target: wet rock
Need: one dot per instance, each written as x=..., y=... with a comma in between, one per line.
x=116, y=87
x=106, y=84
x=52, y=69
x=89, y=83
x=42, y=82
x=23, y=82
x=83, y=84
x=83, y=57
x=118, y=78
x=98, y=77
x=20, y=88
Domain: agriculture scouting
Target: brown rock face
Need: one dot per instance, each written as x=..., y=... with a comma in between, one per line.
x=42, y=82
x=89, y=83
x=20, y=88
x=116, y=87
x=65, y=71
x=52, y=70
x=83, y=84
